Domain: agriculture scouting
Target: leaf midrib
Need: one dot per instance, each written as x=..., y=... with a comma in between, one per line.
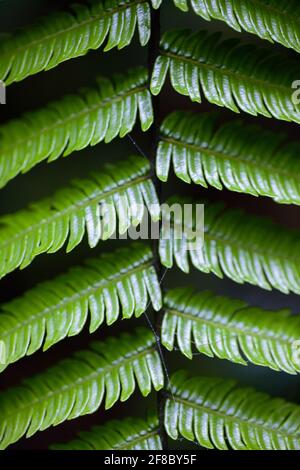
x=226, y=417
x=85, y=202
x=225, y=71
x=229, y=156
x=102, y=284
x=74, y=116
x=132, y=441
x=137, y=439
x=78, y=382
x=250, y=248
x=246, y=331
x=78, y=25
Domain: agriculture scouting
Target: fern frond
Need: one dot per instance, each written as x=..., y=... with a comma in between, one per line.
x=64, y=35
x=93, y=115
x=217, y=413
x=77, y=386
x=230, y=329
x=244, y=247
x=273, y=20
x=243, y=157
x=117, y=284
x=239, y=77
x=119, y=193
x=128, y=434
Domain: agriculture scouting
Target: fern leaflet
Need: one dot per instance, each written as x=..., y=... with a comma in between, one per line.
x=76, y=121
x=115, y=284
x=273, y=20
x=120, y=192
x=230, y=74
x=77, y=386
x=128, y=434
x=244, y=247
x=243, y=158
x=64, y=35
x=216, y=413
x=230, y=329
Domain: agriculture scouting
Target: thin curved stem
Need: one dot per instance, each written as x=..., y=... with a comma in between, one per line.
x=153, y=51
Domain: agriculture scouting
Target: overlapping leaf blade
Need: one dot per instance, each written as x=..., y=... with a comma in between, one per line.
x=128, y=434
x=64, y=35
x=109, y=202
x=230, y=74
x=116, y=284
x=230, y=329
x=273, y=20
x=244, y=247
x=218, y=414
x=77, y=386
x=87, y=118
x=243, y=158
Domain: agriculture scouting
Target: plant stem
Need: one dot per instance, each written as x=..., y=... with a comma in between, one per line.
x=154, y=136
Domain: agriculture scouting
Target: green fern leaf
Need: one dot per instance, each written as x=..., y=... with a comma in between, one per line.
x=77, y=386
x=244, y=247
x=273, y=20
x=230, y=74
x=64, y=35
x=230, y=329
x=217, y=413
x=243, y=158
x=115, y=284
x=128, y=434
x=93, y=115
x=120, y=192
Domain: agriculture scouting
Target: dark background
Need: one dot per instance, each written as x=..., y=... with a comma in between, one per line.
x=44, y=179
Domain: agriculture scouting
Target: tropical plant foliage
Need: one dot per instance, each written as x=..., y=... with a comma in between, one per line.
x=115, y=284
x=243, y=158
x=121, y=284
x=76, y=121
x=65, y=35
x=230, y=74
x=109, y=201
x=77, y=386
x=230, y=329
x=128, y=434
x=273, y=20
x=243, y=247
x=216, y=413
